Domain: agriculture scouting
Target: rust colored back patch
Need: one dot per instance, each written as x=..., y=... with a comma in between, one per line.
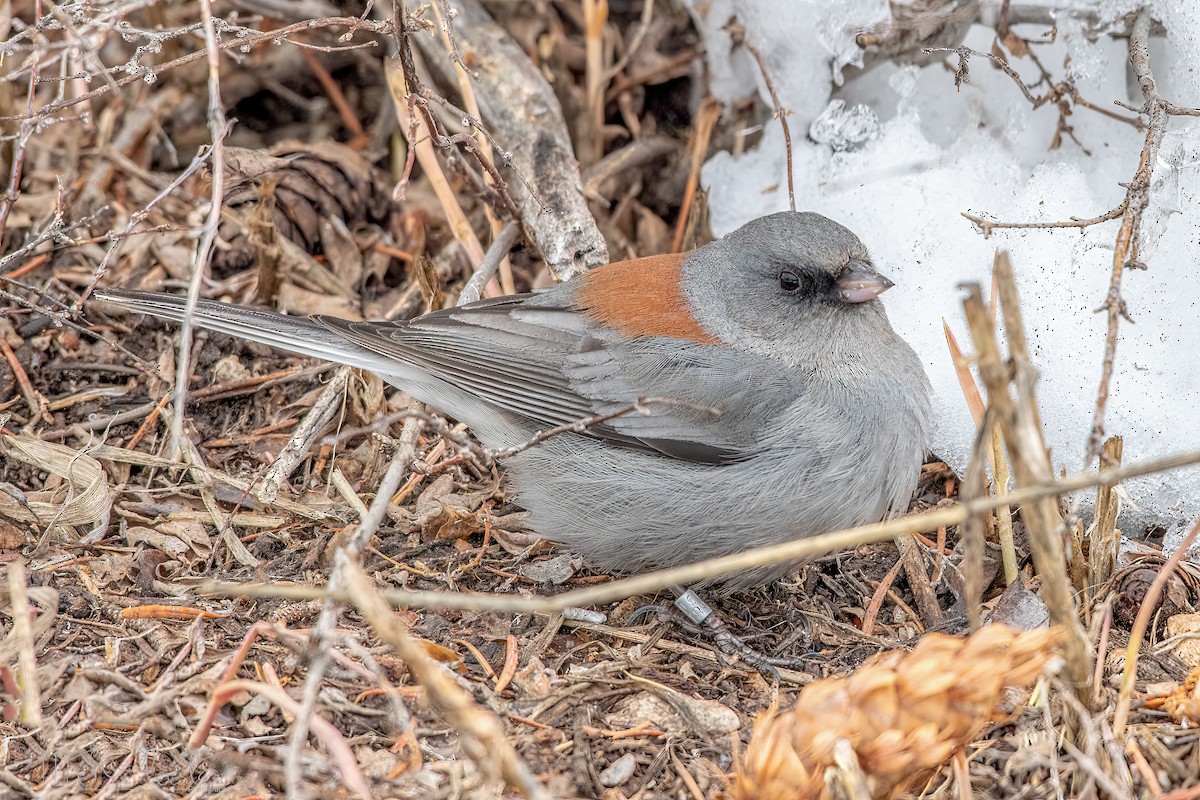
x=641, y=297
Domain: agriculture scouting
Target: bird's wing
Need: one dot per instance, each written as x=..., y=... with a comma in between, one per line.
x=538, y=357
x=717, y=402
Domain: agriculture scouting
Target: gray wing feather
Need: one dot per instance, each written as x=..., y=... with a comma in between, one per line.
x=536, y=357
x=579, y=371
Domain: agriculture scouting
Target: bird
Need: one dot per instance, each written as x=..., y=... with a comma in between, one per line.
x=778, y=401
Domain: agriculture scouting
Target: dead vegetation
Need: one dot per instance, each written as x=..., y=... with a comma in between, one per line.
x=363, y=167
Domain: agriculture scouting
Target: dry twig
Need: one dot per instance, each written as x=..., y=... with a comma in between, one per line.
x=723, y=565
x=738, y=33
x=491, y=262
x=1020, y=422
x=1137, y=198
x=218, y=129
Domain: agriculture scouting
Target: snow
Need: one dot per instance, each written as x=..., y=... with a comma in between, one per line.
x=898, y=155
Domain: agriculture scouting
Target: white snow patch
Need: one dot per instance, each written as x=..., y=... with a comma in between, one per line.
x=938, y=152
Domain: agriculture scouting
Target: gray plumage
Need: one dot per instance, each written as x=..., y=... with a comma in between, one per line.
x=823, y=411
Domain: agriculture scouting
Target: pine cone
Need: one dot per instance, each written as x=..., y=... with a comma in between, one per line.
x=900, y=714
x=310, y=183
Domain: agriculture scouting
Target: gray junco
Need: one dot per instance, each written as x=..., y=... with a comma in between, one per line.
x=797, y=409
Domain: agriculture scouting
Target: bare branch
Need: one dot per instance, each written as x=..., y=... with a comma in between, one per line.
x=1137, y=198
x=986, y=226
x=726, y=565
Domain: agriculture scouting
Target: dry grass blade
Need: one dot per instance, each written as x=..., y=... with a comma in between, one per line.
x=483, y=735
x=1141, y=624
x=22, y=632
x=422, y=145
x=1104, y=539
x=706, y=120
x=591, y=140
x=85, y=498
x=995, y=452
x=962, y=370
x=1021, y=426
x=901, y=713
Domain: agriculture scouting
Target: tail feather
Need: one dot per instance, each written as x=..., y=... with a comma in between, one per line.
x=294, y=334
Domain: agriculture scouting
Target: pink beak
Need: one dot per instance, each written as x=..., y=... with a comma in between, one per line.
x=858, y=283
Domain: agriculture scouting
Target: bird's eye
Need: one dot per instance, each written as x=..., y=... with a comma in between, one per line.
x=789, y=281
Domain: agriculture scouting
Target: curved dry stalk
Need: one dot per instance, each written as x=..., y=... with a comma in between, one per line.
x=693, y=573
x=1140, y=624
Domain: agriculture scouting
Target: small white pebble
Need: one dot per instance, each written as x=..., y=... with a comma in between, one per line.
x=619, y=771
x=584, y=615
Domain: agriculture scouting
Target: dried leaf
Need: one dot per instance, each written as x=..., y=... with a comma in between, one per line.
x=84, y=499
x=1015, y=45
x=554, y=570
x=341, y=252
x=535, y=681
x=185, y=539
x=439, y=652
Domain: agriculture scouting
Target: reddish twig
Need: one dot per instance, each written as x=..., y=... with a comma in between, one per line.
x=738, y=34
x=358, y=136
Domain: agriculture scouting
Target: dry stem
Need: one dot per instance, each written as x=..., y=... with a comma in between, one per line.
x=995, y=453
x=218, y=129
x=1018, y=419
x=693, y=573
x=482, y=734
x=1104, y=538
x=1141, y=623
x=1137, y=198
